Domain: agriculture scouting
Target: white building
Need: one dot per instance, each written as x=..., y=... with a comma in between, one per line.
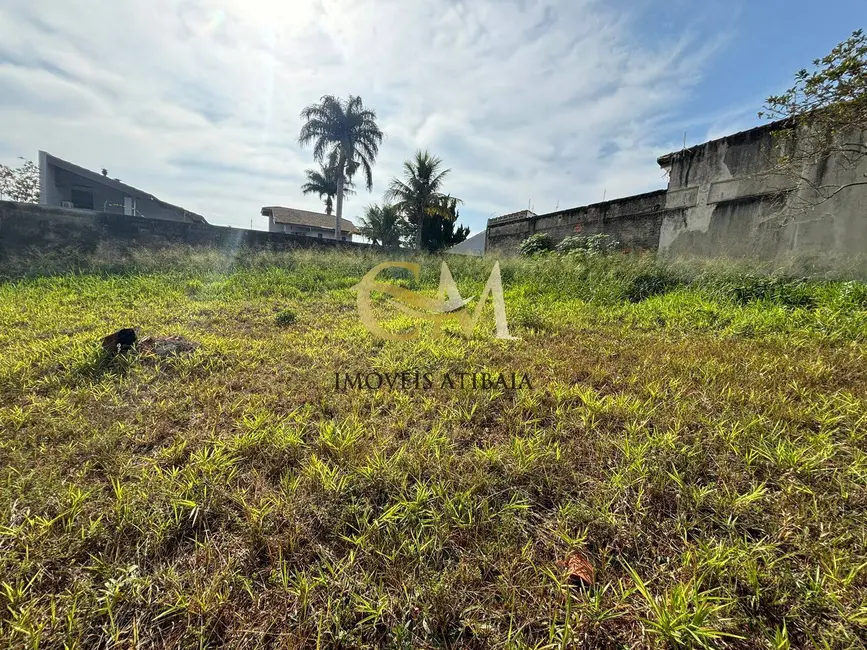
x=307, y=224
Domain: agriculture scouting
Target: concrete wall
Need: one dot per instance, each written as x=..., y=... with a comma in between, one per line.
x=506, y=233
x=732, y=200
x=27, y=227
x=725, y=197
x=633, y=221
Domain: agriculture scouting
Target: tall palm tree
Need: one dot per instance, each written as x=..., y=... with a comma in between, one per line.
x=382, y=225
x=419, y=194
x=324, y=182
x=346, y=128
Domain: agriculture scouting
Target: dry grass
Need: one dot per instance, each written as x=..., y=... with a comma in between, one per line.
x=698, y=434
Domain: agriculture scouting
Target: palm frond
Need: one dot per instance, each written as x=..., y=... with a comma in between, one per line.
x=382, y=224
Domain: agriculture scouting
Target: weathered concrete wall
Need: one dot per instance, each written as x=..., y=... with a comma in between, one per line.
x=633, y=221
x=26, y=226
x=734, y=201
x=726, y=197
x=507, y=232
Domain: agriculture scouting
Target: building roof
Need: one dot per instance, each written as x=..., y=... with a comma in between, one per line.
x=297, y=217
x=115, y=184
x=474, y=245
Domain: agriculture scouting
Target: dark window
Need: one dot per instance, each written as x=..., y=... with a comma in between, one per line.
x=320, y=234
x=343, y=238
x=82, y=199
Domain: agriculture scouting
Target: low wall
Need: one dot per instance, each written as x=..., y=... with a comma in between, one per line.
x=634, y=222
x=27, y=226
x=506, y=234
x=729, y=197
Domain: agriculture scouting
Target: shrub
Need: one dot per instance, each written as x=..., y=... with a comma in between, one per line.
x=534, y=244
x=587, y=245
x=285, y=318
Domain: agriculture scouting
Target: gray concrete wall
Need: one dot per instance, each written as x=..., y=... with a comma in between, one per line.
x=727, y=197
x=633, y=221
x=48, y=194
x=505, y=235
x=26, y=227
x=733, y=200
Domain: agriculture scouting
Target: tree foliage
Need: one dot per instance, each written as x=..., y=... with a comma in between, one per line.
x=323, y=182
x=345, y=129
x=20, y=183
x=534, y=244
x=597, y=244
x=439, y=231
x=420, y=197
x=828, y=108
x=383, y=225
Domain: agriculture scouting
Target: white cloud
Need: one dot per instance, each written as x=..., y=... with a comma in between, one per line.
x=197, y=101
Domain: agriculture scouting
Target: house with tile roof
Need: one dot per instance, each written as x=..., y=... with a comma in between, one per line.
x=305, y=223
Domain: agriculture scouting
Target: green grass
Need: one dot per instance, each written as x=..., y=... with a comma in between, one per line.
x=696, y=429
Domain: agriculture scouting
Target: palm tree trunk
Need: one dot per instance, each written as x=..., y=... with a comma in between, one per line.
x=341, y=164
x=418, y=241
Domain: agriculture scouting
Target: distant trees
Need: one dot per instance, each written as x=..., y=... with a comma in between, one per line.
x=20, y=183
x=345, y=129
x=383, y=225
x=324, y=182
x=420, y=198
x=346, y=139
x=828, y=105
x=439, y=229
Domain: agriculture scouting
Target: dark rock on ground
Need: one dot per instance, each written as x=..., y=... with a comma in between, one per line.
x=121, y=341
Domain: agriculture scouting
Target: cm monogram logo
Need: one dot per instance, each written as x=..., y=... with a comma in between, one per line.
x=447, y=307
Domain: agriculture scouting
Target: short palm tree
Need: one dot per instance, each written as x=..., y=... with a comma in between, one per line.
x=382, y=225
x=324, y=182
x=419, y=194
x=348, y=130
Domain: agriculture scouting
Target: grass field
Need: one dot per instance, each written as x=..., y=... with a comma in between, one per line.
x=695, y=430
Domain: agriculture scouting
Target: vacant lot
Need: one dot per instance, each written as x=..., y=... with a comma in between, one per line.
x=696, y=433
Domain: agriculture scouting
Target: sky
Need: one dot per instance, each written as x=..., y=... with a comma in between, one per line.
x=547, y=104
